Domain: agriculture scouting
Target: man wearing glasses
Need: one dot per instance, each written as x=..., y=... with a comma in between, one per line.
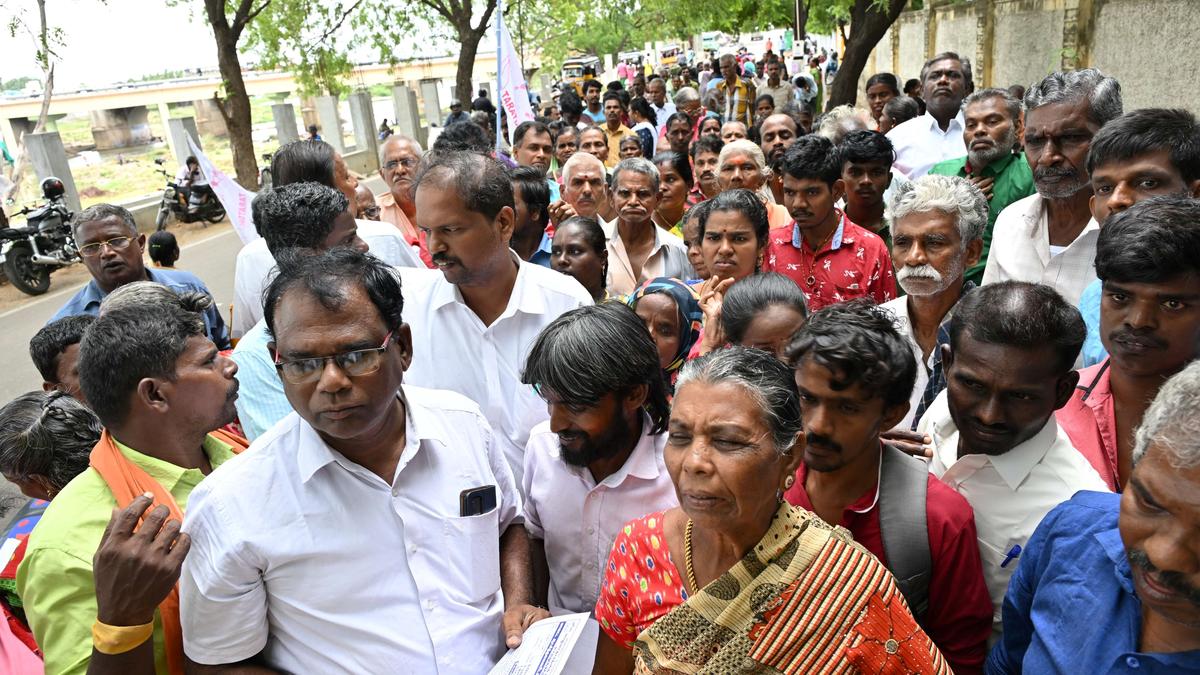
x=374, y=530
x=112, y=248
x=399, y=157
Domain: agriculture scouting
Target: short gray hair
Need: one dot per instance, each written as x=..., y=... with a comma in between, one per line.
x=951, y=195
x=636, y=165
x=100, y=212
x=1012, y=104
x=744, y=146
x=685, y=96
x=1171, y=422
x=840, y=121
x=150, y=293
x=577, y=159
x=394, y=138
x=1102, y=92
x=767, y=380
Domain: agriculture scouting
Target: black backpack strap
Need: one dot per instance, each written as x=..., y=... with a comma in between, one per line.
x=902, y=489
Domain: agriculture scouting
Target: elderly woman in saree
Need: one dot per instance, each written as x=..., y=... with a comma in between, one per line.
x=736, y=579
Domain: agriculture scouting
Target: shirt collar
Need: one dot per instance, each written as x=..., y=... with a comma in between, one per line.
x=839, y=235
x=171, y=476
x=1015, y=465
x=935, y=128
x=1114, y=548
x=999, y=166
x=642, y=462
x=524, y=297
x=91, y=293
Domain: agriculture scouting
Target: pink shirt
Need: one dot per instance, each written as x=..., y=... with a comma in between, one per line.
x=1091, y=421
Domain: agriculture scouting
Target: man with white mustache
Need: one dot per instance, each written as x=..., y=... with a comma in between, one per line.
x=937, y=234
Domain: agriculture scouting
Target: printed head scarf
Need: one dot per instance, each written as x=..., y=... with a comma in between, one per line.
x=687, y=304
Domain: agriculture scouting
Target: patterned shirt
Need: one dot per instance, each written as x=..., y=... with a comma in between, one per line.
x=739, y=100
x=854, y=263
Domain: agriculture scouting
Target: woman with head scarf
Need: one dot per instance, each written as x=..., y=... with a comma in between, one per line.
x=671, y=310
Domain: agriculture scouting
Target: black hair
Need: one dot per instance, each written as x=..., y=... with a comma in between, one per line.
x=902, y=109
x=678, y=162
x=162, y=247
x=911, y=82
x=858, y=342
x=964, y=68
x=743, y=201
x=52, y=340
x=592, y=232
x=642, y=107
x=1154, y=240
x=591, y=84
x=569, y=103
x=613, y=96
x=326, y=276
x=191, y=159
x=133, y=342
x=746, y=298
x=866, y=146
x=765, y=97
x=712, y=144
x=885, y=79
x=303, y=161
x=1148, y=130
x=47, y=434
x=572, y=357
x=812, y=157
x=297, y=215
x=532, y=126
x=1020, y=314
x=463, y=137
x=483, y=184
x=614, y=85
x=678, y=117
x=535, y=192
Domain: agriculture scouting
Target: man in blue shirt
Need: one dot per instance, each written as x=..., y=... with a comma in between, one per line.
x=1111, y=583
x=112, y=251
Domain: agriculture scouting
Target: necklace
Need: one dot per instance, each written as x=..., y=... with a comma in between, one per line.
x=687, y=557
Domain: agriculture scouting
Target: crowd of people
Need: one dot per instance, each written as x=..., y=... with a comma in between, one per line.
x=903, y=388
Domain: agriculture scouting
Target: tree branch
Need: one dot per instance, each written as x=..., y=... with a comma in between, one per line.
x=251, y=15
x=332, y=29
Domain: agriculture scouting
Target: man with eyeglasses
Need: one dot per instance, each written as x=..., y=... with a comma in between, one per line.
x=112, y=249
x=403, y=549
x=399, y=157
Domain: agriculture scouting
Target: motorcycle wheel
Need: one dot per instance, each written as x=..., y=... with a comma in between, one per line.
x=161, y=220
x=216, y=215
x=28, y=278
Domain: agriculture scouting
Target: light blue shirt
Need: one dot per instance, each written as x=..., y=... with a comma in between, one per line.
x=542, y=255
x=1089, y=306
x=261, y=401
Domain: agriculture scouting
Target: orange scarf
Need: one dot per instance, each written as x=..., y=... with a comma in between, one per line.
x=127, y=481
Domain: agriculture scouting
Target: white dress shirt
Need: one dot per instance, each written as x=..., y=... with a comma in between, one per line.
x=1021, y=251
x=899, y=309
x=1009, y=493
x=331, y=569
x=668, y=258
x=578, y=519
x=920, y=143
x=662, y=114
x=255, y=266
x=452, y=349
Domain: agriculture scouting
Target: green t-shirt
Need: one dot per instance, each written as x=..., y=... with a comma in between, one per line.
x=1014, y=181
x=54, y=579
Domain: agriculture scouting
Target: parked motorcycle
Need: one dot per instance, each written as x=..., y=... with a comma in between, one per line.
x=44, y=244
x=188, y=205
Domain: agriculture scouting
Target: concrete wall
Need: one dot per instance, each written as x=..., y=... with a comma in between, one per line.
x=1020, y=41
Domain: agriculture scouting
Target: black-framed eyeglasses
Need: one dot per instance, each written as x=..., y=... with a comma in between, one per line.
x=407, y=162
x=371, y=212
x=116, y=244
x=354, y=363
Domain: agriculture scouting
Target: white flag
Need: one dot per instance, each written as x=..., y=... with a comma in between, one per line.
x=514, y=92
x=235, y=198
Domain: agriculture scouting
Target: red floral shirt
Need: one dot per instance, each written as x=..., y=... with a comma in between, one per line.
x=641, y=582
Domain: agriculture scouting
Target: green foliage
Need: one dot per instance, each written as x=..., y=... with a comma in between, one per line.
x=17, y=83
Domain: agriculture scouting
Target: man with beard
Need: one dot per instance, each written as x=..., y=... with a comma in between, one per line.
x=656, y=93
x=938, y=223
x=598, y=462
x=855, y=374
x=706, y=155
x=776, y=135
x=1109, y=583
x=995, y=440
x=475, y=318
x=398, y=160
x=993, y=125
x=1050, y=237
x=591, y=97
x=533, y=146
x=1148, y=260
x=936, y=135
x=585, y=192
x=638, y=249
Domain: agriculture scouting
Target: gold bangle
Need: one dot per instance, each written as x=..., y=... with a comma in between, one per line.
x=119, y=639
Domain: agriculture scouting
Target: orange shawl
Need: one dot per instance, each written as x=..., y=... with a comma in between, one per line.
x=127, y=481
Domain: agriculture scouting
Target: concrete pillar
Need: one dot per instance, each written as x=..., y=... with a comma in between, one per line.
x=11, y=130
x=366, y=137
x=331, y=122
x=178, y=130
x=432, y=103
x=138, y=120
x=408, y=121
x=208, y=117
x=120, y=127
x=49, y=158
x=285, y=122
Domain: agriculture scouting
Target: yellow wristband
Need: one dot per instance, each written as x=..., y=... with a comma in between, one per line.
x=119, y=639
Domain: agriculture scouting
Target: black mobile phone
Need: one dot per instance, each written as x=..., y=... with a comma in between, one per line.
x=477, y=501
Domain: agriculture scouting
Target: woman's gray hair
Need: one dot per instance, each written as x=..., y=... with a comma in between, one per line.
x=744, y=147
x=1171, y=422
x=765, y=378
x=951, y=195
x=685, y=96
x=47, y=434
x=636, y=165
x=1102, y=92
x=840, y=121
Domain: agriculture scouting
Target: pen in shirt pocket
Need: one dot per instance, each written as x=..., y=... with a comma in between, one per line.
x=1013, y=554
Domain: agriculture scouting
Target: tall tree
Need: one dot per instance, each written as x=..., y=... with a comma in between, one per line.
x=229, y=19
x=869, y=20
x=46, y=40
x=459, y=14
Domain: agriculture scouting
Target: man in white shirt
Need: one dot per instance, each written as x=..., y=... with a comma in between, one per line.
x=995, y=439
x=598, y=462
x=296, y=162
x=938, y=134
x=937, y=233
x=638, y=249
x=475, y=317
x=656, y=95
x=1050, y=237
x=377, y=528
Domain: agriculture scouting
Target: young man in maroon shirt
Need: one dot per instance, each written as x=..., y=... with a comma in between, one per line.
x=855, y=374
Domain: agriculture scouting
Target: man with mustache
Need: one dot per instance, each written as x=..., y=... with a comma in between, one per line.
x=936, y=135
x=638, y=249
x=993, y=125
x=1050, y=237
x=939, y=222
x=533, y=145
x=1109, y=583
x=706, y=153
x=585, y=192
x=870, y=181
x=1148, y=260
x=776, y=135
x=598, y=462
x=855, y=374
x=995, y=440
x=398, y=160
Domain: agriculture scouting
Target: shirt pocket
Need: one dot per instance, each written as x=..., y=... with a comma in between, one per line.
x=471, y=555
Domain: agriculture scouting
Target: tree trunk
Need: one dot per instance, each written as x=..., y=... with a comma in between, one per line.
x=867, y=26
x=235, y=109
x=802, y=10
x=469, y=39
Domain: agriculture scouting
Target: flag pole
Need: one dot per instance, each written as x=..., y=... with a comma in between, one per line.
x=499, y=70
